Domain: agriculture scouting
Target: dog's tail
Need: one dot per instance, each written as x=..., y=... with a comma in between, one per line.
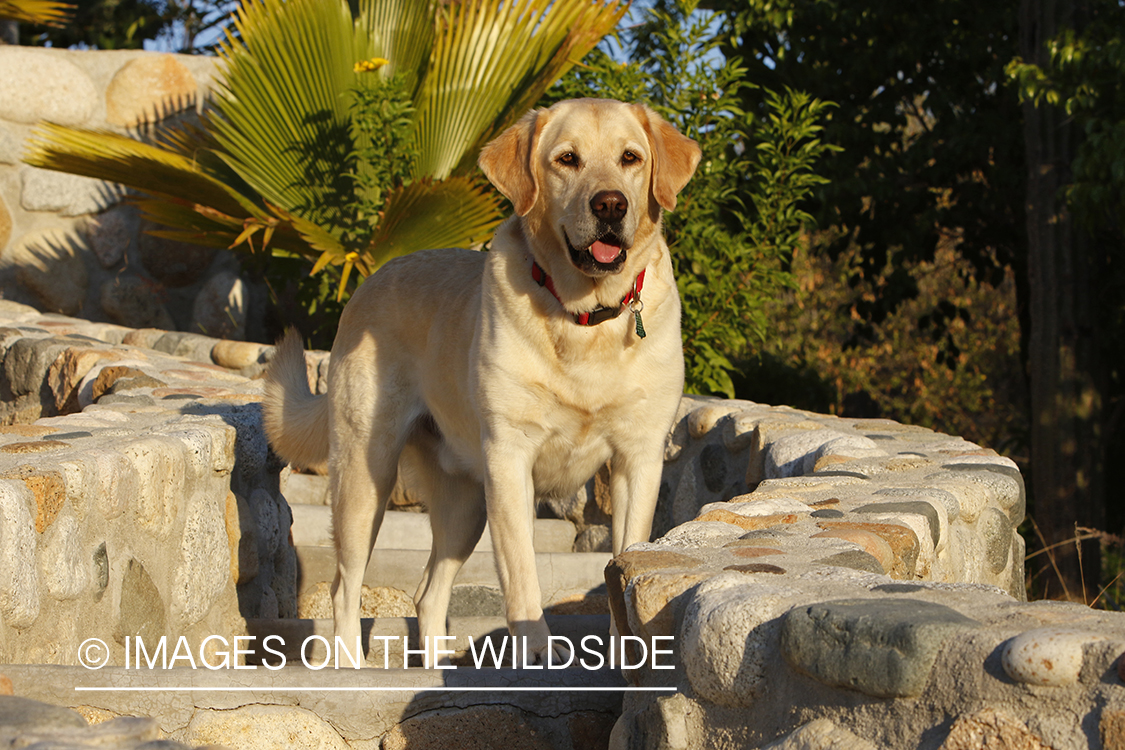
x=296, y=421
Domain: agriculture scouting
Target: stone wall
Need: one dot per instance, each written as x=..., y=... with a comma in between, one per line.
x=69, y=244
x=848, y=583
x=825, y=582
x=137, y=491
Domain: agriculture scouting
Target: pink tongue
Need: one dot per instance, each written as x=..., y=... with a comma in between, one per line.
x=604, y=253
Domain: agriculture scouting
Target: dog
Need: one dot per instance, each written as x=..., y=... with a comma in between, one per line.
x=495, y=378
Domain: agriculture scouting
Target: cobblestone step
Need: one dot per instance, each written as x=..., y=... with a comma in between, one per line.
x=312, y=526
x=562, y=575
x=385, y=639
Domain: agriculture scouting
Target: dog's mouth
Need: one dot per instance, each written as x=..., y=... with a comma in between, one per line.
x=604, y=256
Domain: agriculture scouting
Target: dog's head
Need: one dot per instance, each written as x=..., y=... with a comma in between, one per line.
x=593, y=175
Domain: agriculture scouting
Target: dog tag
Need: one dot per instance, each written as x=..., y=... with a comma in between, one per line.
x=635, y=307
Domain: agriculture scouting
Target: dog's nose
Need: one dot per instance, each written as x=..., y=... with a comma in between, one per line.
x=609, y=205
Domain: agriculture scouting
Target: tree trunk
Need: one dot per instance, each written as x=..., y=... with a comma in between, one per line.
x=9, y=32
x=1065, y=387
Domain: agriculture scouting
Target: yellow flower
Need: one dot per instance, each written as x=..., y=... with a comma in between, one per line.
x=367, y=66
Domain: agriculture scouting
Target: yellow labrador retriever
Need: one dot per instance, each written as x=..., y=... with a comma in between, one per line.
x=498, y=377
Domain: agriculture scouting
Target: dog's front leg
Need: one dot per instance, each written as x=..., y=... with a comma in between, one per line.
x=510, y=496
x=634, y=487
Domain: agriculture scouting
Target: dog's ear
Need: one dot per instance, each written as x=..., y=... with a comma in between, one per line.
x=508, y=161
x=675, y=158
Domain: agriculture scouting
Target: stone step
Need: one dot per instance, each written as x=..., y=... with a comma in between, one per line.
x=386, y=638
x=306, y=489
x=562, y=575
x=242, y=708
x=312, y=526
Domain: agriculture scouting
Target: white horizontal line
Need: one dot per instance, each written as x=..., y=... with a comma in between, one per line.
x=195, y=689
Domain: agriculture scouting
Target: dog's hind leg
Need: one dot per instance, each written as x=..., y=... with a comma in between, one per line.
x=457, y=518
x=359, y=499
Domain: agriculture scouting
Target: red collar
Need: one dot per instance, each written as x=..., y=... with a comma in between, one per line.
x=599, y=314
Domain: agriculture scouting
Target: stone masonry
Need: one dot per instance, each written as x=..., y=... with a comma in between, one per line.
x=842, y=583
x=71, y=244
x=137, y=492
x=820, y=582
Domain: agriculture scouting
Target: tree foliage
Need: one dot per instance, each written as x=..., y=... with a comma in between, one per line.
x=1073, y=83
x=128, y=24
x=931, y=139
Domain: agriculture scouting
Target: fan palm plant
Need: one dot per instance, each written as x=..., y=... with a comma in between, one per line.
x=285, y=156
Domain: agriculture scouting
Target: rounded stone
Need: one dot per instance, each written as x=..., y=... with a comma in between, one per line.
x=109, y=235
x=872, y=544
x=701, y=420
x=39, y=85
x=972, y=497
x=795, y=455
x=173, y=263
x=68, y=194
x=148, y=89
x=19, y=714
x=850, y=446
x=595, y=538
x=160, y=471
x=135, y=302
x=821, y=734
x=19, y=578
x=989, y=728
x=1051, y=656
x=235, y=355
x=374, y=601
x=729, y=629
x=205, y=562
x=995, y=529
x=738, y=433
x=876, y=646
x=65, y=570
x=219, y=309
x=10, y=147
x=713, y=467
x=48, y=263
x=140, y=610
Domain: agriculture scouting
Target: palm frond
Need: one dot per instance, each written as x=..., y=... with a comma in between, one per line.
x=46, y=12
x=402, y=31
x=282, y=111
x=191, y=177
x=490, y=63
x=455, y=212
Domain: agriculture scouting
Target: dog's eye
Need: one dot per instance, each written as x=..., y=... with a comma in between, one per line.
x=629, y=158
x=568, y=159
